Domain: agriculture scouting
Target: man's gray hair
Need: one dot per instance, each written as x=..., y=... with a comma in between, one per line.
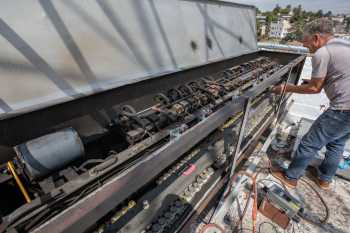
x=322, y=26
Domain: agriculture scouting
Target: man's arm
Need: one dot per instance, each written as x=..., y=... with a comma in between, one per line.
x=320, y=62
x=313, y=87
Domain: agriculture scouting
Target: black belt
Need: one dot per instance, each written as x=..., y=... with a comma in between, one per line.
x=340, y=110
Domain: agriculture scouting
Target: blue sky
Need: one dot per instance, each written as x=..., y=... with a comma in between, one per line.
x=336, y=6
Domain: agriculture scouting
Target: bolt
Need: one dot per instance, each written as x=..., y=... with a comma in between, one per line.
x=168, y=215
x=145, y=204
x=186, y=198
x=200, y=180
x=195, y=186
x=156, y=228
x=178, y=203
x=162, y=221
x=192, y=189
x=174, y=209
x=204, y=175
x=210, y=171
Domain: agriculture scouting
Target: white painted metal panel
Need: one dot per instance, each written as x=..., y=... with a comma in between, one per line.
x=59, y=50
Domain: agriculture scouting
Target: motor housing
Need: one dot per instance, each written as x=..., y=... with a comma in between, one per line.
x=45, y=155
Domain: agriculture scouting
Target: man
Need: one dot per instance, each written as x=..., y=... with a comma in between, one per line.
x=331, y=71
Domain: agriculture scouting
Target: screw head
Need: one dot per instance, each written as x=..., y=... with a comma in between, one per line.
x=145, y=204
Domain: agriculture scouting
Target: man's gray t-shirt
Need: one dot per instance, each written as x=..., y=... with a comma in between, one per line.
x=332, y=62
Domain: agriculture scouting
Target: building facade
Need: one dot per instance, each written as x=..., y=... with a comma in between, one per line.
x=279, y=29
x=263, y=29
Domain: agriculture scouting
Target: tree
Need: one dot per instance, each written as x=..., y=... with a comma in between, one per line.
x=284, y=11
x=328, y=14
x=298, y=20
x=270, y=17
x=258, y=27
x=291, y=36
x=277, y=9
x=347, y=27
x=258, y=11
x=319, y=14
x=289, y=7
x=297, y=13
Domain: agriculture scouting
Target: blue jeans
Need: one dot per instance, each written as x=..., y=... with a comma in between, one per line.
x=331, y=129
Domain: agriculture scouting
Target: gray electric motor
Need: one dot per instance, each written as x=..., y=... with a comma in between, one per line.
x=42, y=156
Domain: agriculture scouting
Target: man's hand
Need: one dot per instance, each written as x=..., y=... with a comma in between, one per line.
x=305, y=81
x=314, y=86
x=278, y=89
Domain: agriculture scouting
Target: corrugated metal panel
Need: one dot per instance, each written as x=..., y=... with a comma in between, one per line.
x=55, y=51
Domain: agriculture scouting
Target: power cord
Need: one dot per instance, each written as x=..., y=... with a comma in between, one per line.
x=303, y=216
x=310, y=220
x=268, y=223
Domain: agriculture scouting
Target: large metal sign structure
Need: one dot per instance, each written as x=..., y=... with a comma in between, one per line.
x=56, y=51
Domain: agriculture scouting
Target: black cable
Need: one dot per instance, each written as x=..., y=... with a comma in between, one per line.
x=299, y=228
x=317, y=223
x=343, y=177
x=244, y=229
x=216, y=206
x=244, y=210
x=273, y=227
x=322, y=221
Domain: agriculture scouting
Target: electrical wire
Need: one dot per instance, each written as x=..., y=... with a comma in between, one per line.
x=325, y=219
x=212, y=215
x=244, y=211
x=322, y=221
x=209, y=225
x=282, y=96
x=254, y=190
x=273, y=227
x=293, y=229
x=299, y=228
x=240, y=230
x=307, y=183
x=343, y=177
x=12, y=169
